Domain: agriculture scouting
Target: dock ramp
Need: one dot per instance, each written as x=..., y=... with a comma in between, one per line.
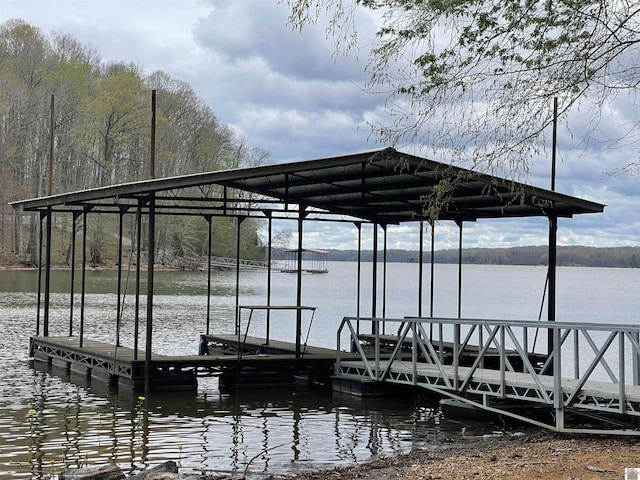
x=589, y=381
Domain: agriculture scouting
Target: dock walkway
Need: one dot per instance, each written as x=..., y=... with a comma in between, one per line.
x=590, y=382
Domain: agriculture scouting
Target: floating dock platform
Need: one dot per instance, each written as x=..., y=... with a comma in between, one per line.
x=245, y=362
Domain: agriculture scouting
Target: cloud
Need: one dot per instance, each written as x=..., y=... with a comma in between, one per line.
x=288, y=93
x=258, y=29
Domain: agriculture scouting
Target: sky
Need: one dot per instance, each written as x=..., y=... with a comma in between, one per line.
x=289, y=94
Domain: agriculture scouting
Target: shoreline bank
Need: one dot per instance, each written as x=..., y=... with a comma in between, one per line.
x=543, y=456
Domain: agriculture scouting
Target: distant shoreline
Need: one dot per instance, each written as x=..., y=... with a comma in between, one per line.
x=568, y=256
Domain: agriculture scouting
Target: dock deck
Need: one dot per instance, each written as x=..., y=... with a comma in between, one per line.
x=228, y=357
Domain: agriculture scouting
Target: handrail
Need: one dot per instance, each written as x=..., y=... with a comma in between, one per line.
x=242, y=341
x=584, y=353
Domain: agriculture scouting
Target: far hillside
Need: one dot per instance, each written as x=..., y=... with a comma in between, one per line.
x=623, y=257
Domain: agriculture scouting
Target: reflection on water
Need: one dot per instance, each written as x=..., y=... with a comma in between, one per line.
x=65, y=424
x=47, y=422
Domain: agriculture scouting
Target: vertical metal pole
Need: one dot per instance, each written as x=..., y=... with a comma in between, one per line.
x=209, y=219
x=459, y=268
x=554, y=141
x=151, y=255
x=51, y=141
x=301, y=216
x=119, y=287
x=269, y=278
x=152, y=159
x=40, y=235
x=551, y=304
x=47, y=274
x=136, y=321
x=374, y=278
x=432, y=273
x=553, y=231
x=239, y=221
x=558, y=397
x=384, y=276
x=83, y=287
x=432, y=277
x=359, y=227
x=622, y=381
x=635, y=363
x=75, y=216
x=420, y=266
x=47, y=277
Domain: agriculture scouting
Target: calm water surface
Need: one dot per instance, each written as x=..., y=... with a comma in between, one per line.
x=47, y=422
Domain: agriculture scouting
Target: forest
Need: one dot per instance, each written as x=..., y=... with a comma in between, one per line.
x=575, y=256
x=99, y=133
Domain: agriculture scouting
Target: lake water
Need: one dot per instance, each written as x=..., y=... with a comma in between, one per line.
x=47, y=423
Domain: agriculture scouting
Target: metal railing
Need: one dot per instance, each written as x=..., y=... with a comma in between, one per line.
x=592, y=370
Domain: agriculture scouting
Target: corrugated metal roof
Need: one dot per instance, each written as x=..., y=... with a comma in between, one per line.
x=384, y=186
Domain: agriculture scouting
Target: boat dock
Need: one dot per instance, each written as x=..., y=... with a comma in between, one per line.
x=235, y=361
x=580, y=374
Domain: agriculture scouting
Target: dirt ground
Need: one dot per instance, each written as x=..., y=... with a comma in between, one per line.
x=541, y=456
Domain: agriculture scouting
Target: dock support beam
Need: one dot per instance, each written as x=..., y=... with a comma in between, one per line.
x=459, y=222
x=74, y=221
x=151, y=253
x=83, y=287
x=239, y=221
x=47, y=274
x=359, y=281
x=374, y=279
x=148, y=369
x=420, y=267
x=551, y=312
x=136, y=321
x=119, y=286
x=384, y=275
x=269, y=276
x=38, y=314
x=301, y=216
x=209, y=251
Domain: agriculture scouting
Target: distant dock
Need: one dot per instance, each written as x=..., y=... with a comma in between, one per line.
x=306, y=260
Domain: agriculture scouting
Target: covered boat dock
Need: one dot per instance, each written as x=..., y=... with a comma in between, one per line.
x=378, y=188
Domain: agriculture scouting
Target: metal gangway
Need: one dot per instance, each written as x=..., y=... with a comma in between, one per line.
x=590, y=381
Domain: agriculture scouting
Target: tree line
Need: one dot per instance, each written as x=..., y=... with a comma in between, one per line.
x=579, y=256
x=101, y=136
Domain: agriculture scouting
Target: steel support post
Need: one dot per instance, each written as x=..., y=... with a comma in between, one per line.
x=301, y=216
x=151, y=254
x=40, y=235
x=83, y=287
x=72, y=285
x=136, y=321
x=420, y=267
x=209, y=220
x=119, y=287
x=374, y=278
x=47, y=274
x=558, y=396
x=270, y=246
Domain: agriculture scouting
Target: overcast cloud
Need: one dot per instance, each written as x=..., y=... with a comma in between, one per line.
x=287, y=94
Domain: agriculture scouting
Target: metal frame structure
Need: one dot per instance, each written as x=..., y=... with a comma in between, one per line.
x=586, y=378
x=380, y=188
